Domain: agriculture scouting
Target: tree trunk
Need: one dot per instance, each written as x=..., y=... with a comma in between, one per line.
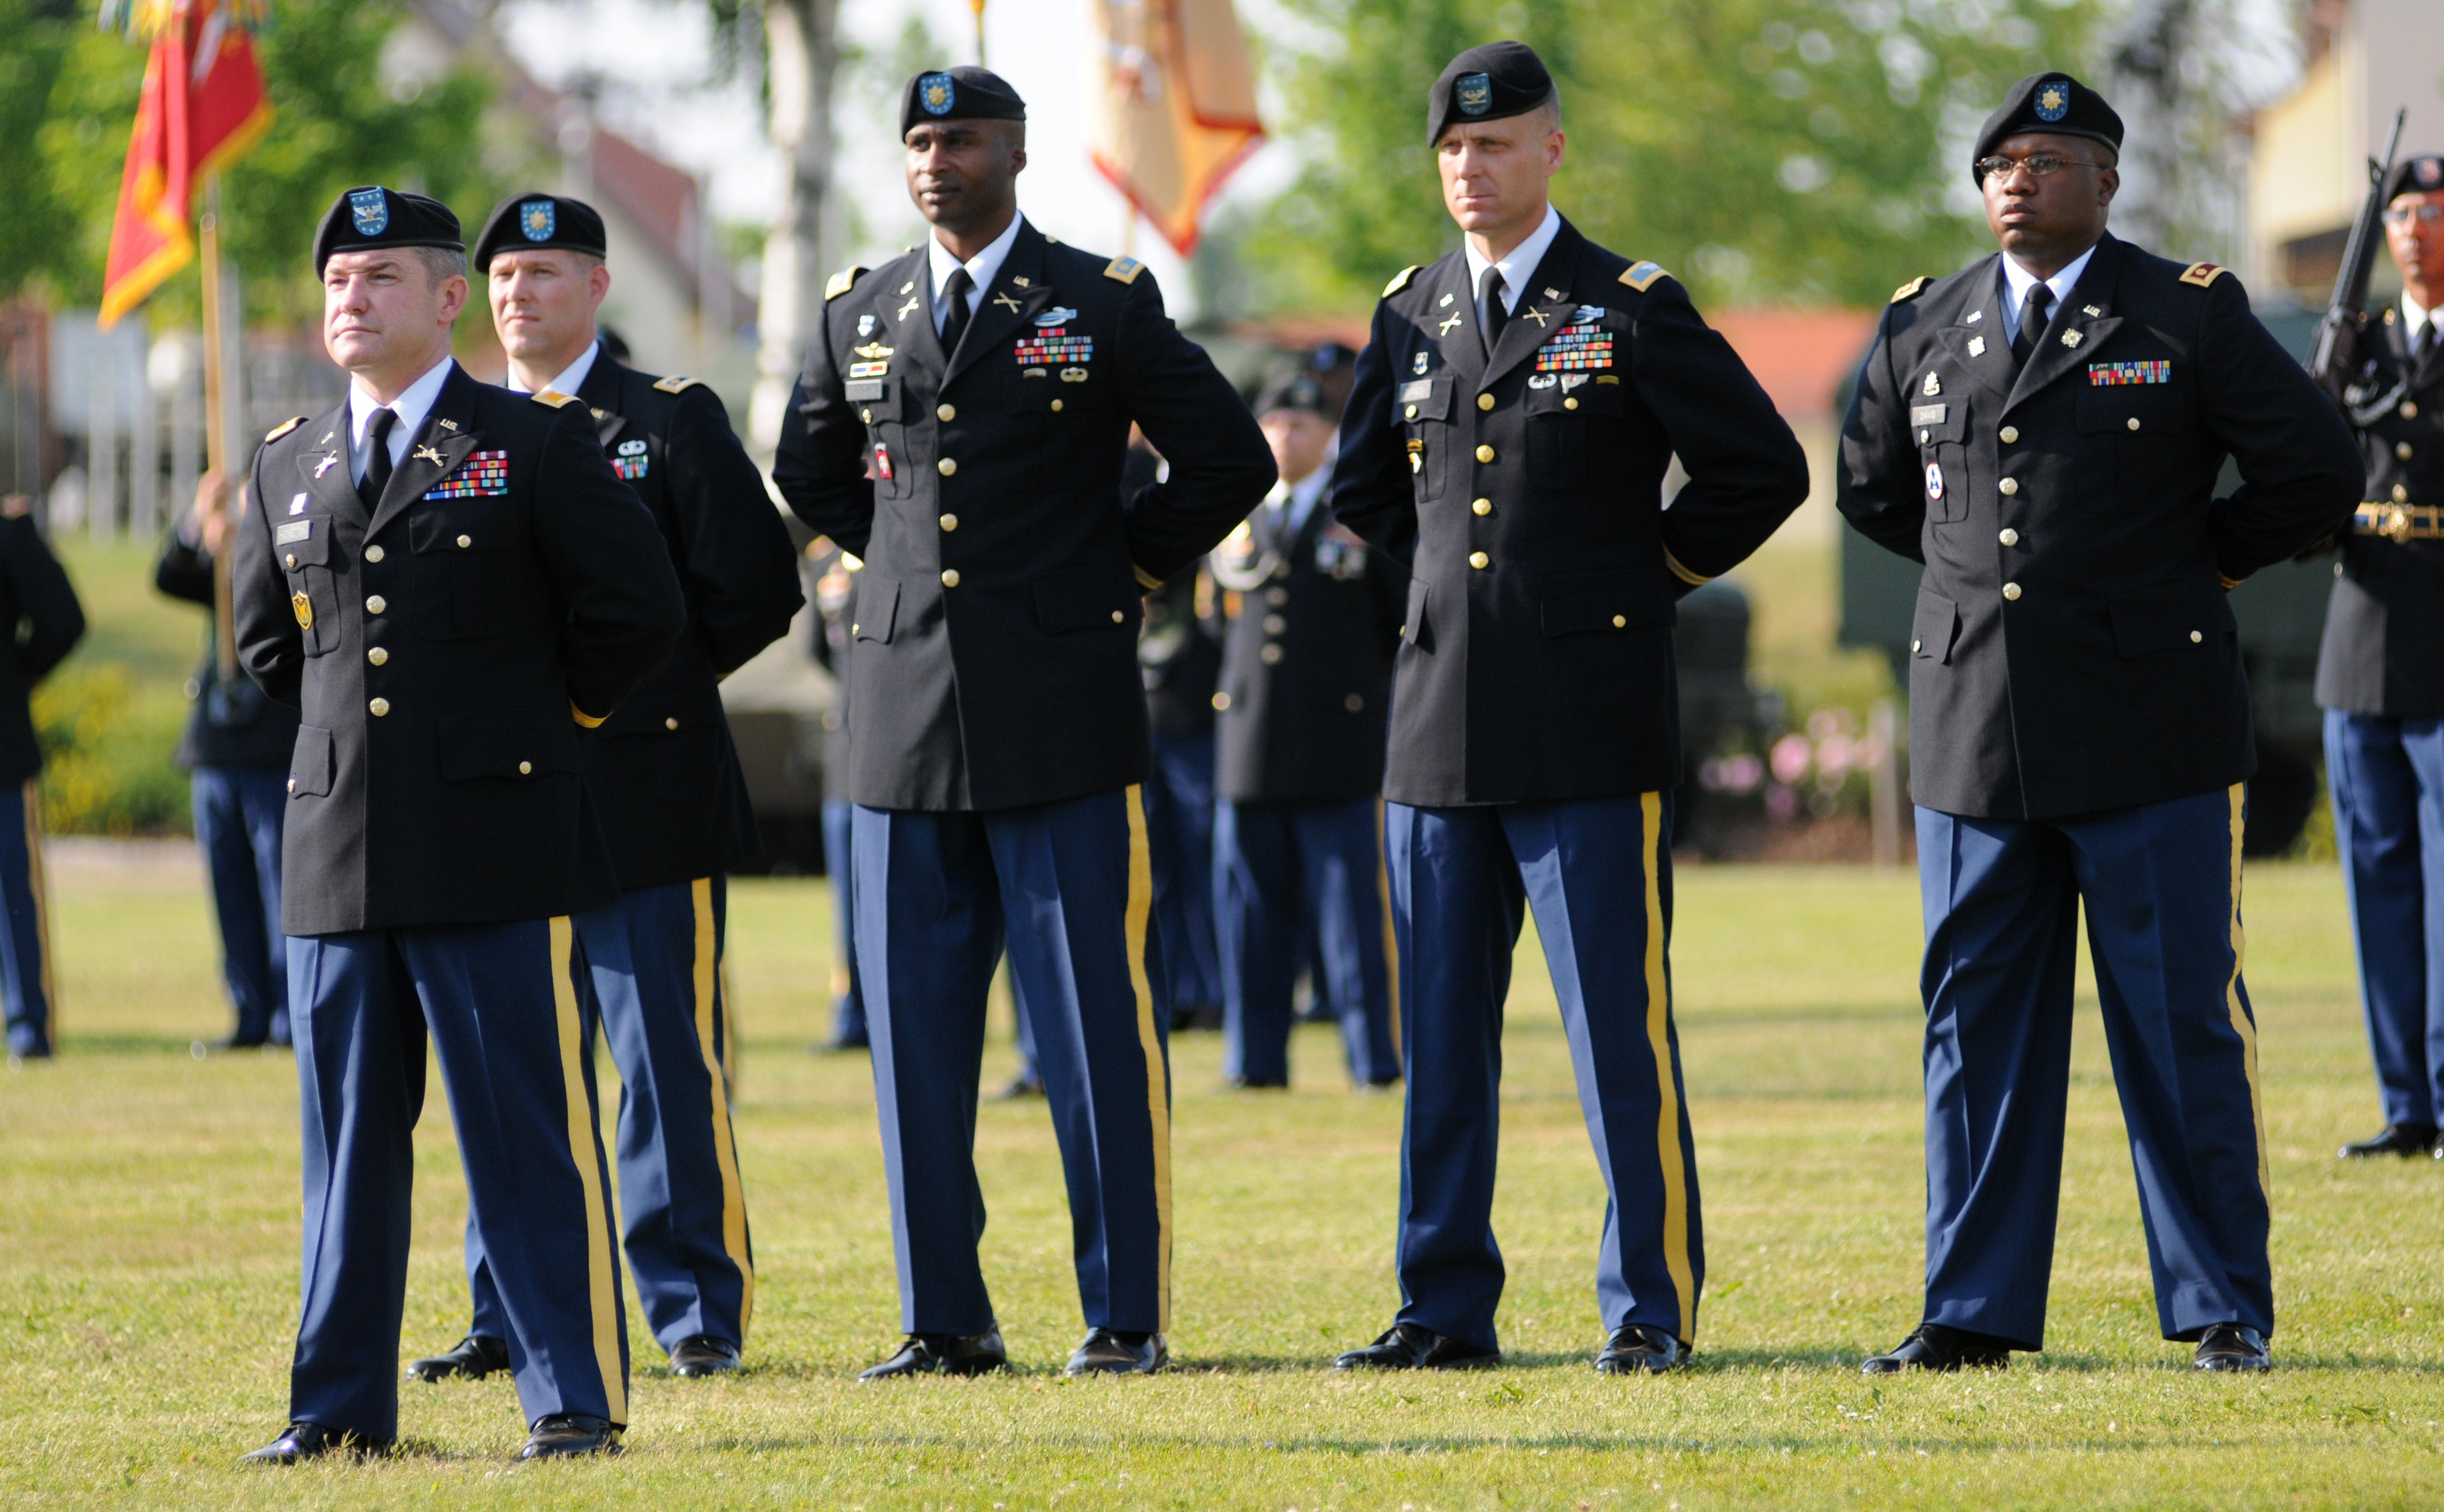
x=802, y=54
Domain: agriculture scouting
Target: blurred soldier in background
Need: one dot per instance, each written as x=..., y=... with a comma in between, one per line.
x=835, y=573
x=1306, y=693
x=237, y=747
x=1507, y=435
x=664, y=777
x=2380, y=674
x=36, y=595
x=961, y=425
x=2044, y=432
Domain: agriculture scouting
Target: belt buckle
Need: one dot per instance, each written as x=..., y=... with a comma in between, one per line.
x=2395, y=525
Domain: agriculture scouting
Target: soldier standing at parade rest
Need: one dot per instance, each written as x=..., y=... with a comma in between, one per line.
x=665, y=781
x=835, y=573
x=36, y=594
x=1506, y=437
x=1306, y=689
x=2380, y=676
x=2044, y=430
x=451, y=583
x=236, y=746
x=961, y=425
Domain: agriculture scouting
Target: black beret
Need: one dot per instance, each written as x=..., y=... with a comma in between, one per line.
x=538, y=222
x=2413, y=175
x=964, y=93
x=2053, y=102
x=1487, y=84
x=362, y=219
x=1294, y=390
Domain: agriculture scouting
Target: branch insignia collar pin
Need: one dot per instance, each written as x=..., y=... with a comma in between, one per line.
x=428, y=453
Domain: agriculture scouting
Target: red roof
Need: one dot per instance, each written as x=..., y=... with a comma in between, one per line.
x=1802, y=357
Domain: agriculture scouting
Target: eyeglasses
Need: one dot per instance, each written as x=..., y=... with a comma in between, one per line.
x=2040, y=165
x=2404, y=215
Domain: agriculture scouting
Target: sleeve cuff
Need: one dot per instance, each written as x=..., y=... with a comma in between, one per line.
x=584, y=719
x=2229, y=583
x=1145, y=579
x=1691, y=578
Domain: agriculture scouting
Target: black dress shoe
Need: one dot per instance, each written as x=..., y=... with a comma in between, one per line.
x=311, y=1441
x=942, y=1354
x=472, y=1359
x=2232, y=1346
x=704, y=1355
x=1255, y=1084
x=1933, y=1347
x=2403, y=1139
x=1415, y=1346
x=1020, y=1087
x=1107, y=1353
x=1641, y=1349
x=563, y=1435
x=244, y=1039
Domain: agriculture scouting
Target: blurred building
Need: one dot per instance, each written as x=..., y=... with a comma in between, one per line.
x=2309, y=176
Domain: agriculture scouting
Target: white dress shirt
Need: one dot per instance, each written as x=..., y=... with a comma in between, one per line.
x=410, y=406
x=981, y=270
x=1291, y=503
x=570, y=376
x=2414, y=317
x=1517, y=266
x=2017, y=280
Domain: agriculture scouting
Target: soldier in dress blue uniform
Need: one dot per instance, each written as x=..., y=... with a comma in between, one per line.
x=451, y=584
x=2380, y=676
x=1506, y=437
x=667, y=784
x=1306, y=693
x=961, y=425
x=835, y=573
x=2044, y=430
x=236, y=748
x=34, y=593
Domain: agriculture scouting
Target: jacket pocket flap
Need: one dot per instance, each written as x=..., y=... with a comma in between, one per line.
x=1100, y=592
x=2184, y=615
x=458, y=527
x=2112, y=407
x=878, y=606
x=1572, y=394
x=1602, y=600
x=494, y=744
x=310, y=763
x=1425, y=399
x=302, y=542
x=1931, y=633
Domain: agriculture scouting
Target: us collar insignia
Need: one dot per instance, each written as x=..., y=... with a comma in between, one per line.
x=1973, y=317
x=427, y=454
x=1004, y=299
x=327, y=434
x=1022, y=282
x=1450, y=320
x=908, y=287
x=874, y=349
x=2090, y=310
x=1552, y=293
x=1443, y=302
x=329, y=460
x=2072, y=338
x=1932, y=386
x=447, y=425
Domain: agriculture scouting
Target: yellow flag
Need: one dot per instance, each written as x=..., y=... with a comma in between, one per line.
x=1172, y=106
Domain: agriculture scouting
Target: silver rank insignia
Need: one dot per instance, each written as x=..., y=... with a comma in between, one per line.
x=1932, y=386
x=1978, y=346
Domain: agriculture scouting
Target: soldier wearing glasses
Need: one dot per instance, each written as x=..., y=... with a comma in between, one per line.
x=2044, y=432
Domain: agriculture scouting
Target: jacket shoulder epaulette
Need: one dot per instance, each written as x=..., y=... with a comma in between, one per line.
x=676, y=384
x=2203, y=274
x=1911, y=289
x=1123, y=269
x=284, y=428
x=553, y=397
x=1399, y=281
x=841, y=281
x=1641, y=276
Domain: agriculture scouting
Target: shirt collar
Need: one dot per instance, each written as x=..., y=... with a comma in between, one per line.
x=981, y=268
x=571, y=378
x=2414, y=315
x=2017, y=280
x=1519, y=265
x=410, y=406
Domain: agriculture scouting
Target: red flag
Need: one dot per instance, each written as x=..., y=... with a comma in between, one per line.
x=202, y=106
x=1172, y=107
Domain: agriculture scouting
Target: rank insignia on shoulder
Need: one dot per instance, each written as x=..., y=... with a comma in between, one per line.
x=553, y=397
x=676, y=384
x=1399, y=281
x=1911, y=289
x=1123, y=269
x=1641, y=276
x=2202, y=274
x=284, y=428
x=841, y=281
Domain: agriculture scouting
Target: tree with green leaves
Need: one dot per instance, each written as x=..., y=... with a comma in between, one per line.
x=1786, y=152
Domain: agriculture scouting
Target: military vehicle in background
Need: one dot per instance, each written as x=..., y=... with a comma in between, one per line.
x=2281, y=611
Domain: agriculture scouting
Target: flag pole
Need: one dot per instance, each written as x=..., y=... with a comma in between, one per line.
x=216, y=430
x=978, y=7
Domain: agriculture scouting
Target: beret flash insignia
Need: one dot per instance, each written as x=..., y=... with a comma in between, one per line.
x=2053, y=100
x=1473, y=93
x=538, y=219
x=370, y=211
x=936, y=93
x=2428, y=172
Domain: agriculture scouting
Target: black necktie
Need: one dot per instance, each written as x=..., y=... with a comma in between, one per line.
x=2033, y=323
x=954, y=322
x=377, y=466
x=1496, y=316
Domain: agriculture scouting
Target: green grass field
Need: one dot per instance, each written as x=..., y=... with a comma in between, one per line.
x=148, y=1259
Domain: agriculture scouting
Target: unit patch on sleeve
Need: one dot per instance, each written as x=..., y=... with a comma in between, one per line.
x=2115, y=375
x=483, y=475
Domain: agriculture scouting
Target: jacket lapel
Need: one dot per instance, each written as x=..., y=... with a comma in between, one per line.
x=2073, y=336
x=322, y=474
x=600, y=392
x=1543, y=306
x=1018, y=292
x=1451, y=320
x=443, y=442
x=1972, y=356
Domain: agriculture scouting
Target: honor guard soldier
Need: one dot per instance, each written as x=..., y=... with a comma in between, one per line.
x=2380, y=676
x=1305, y=691
x=1506, y=437
x=961, y=425
x=451, y=584
x=35, y=594
x=666, y=783
x=2044, y=430
x=835, y=573
x=235, y=748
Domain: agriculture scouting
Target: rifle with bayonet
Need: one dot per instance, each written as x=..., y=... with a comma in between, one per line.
x=2337, y=365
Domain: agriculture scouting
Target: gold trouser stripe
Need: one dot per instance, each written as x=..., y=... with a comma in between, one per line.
x=725, y=1144
x=2241, y=1024
x=1141, y=916
x=1391, y=938
x=585, y=1147
x=41, y=886
x=1658, y=1039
